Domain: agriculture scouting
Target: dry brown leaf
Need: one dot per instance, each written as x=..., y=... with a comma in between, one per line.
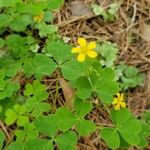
x=78, y=8
x=68, y=92
x=145, y=32
x=148, y=83
x=148, y=1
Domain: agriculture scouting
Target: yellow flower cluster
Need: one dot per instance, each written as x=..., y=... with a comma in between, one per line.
x=119, y=102
x=84, y=49
x=38, y=18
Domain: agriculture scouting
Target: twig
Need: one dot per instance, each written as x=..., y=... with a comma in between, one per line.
x=140, y=54
x=4, y=129
x=84, y=17
x=133, y=17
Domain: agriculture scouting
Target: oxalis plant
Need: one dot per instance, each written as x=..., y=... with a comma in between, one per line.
x=31, y=50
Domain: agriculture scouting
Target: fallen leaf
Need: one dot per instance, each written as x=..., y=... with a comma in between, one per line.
x=68, y=92
x=145, y=32
x=78, y=8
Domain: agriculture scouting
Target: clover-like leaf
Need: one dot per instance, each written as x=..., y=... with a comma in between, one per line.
x=46, y=30
x=4, y=19
x=109, y=53
x=39, y=144
x=53, y=4
x=16, y=146
x=2, y=42
x=106, y=87
x=130, y=131
x=111, y=137
x=16, y=114
x=43, y=65
x=17, y=45
x=76, y=69
x=144, y=134
x=82, y=107
x=36, y=94
x=67, y=140
x=27, y=133
x=60, y=51
x=117, y=118
x=85, y=127
x=65, y=119
x=2, y=138
x=20, y=23
x=47, y=125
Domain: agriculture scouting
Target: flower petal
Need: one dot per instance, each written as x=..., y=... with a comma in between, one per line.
x=115, y=101
x=81, y=57
x=91, y=45
x=117, y=106
x=92, y=54
x=75, y=50
x=118, y=95
x=123, y=104
x=121, y=96
x=82, y=42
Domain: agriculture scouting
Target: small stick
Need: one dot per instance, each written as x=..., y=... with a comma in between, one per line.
x=5, y=130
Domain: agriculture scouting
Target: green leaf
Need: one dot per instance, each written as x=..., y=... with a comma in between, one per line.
x=60, y=51
x=130, y=131
x=2, y=138
x=46, y=30
x=11, y=116
x=37, y=107
x=76, y=69
x=4, y=20
x=39, y=144
x=121, y=116
x=15, y=146
x=28, y=68
x=108, y=52
x=85, y=127
x=20, y=23
x=22, y=120
x=145, y=129
x=111, y=137
x=53, y=4
x=106, y=87
x=2, y=42
x=84, y=88
x=47, y=125
x=144, y=134
x=82, y=107
x=17, y=45
x=48, y=16
x=128, y=127
x=12, y=69
x=67, y=140
x=27, y=133
x=83, y=93
x=129, y=76
x=123, y=143
x=36, y=88
x=143, y=142
x=8, y=3
x=97, y=9
x=36, y=94
x=65, y=119
x=11, y=88
x=43, y=65
x=14, y=114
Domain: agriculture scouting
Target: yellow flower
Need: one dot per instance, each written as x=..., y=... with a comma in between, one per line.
x=38, y=18
x=84, y=49
x=119, y=102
